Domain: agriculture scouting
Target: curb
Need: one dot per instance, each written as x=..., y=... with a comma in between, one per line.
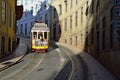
x=7, y=66
x=92, y=67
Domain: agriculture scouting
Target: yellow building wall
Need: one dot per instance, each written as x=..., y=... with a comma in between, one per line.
x=7, y=29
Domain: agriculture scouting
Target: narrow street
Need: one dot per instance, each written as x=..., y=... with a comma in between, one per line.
x=59, y=63
x=59, y=40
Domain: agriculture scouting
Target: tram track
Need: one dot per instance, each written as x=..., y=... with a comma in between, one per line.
x=78, y=69
x=58, y=68
x=72, y=69
x=75, y=72
x=27, y=68
x=66, y=67
x=58, y=64
x=39, y=62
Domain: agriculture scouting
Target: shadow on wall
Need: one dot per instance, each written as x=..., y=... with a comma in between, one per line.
x=55, y=25
x=100, y=40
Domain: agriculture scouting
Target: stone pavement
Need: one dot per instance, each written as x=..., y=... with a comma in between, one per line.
x=93, y=69
x=14, y=57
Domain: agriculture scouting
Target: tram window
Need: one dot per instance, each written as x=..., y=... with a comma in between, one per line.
x=40, y=35
x=45, y=35
x=34, y=35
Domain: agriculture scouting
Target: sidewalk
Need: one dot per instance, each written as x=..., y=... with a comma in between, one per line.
x=14, y=57
x=93, y=69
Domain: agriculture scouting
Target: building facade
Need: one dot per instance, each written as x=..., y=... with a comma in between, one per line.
x=43, y=14
x=7, y=26
x=29, y=16
x=91, y=25
x=25, y=23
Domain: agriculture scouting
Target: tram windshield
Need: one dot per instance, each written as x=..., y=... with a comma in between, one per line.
x=40, y=35
x=45, y=35
x=34, y=35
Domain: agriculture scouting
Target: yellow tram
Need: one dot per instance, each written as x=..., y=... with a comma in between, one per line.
x=39, y=37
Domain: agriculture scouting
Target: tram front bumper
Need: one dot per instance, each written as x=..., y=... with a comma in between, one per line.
x=39, y=47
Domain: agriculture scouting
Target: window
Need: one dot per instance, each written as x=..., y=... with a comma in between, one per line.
x=87, y=8
x=31, y=10
x=104, y=22
x=54, y=13
x=111, y=14
x=97, y=42
x=65, y=40
x=92, y=6
x=45, y=35
x=81, y=40
x=13, y=45
x=65, y=5
x=9, y=45
x=111, y=36
x=40, y=35
x=45, y=6
x=65, y=24
x=46, y=19
x=21, y=27
x=54, y=31
x=70, y=41
x=60, y=9
x=76, y=19
x=34, y=35
x=92, y=36
x=81, y=14
x=103, y=39
x=97, y=26
x=76, y=40
x=26, y=13
x=71, y=22
x=2, y=45
x=97, y=5
x=3, y=11
x=25, y=28
x=86, y=41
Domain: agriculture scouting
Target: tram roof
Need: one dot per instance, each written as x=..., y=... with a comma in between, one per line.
x=39, y=25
